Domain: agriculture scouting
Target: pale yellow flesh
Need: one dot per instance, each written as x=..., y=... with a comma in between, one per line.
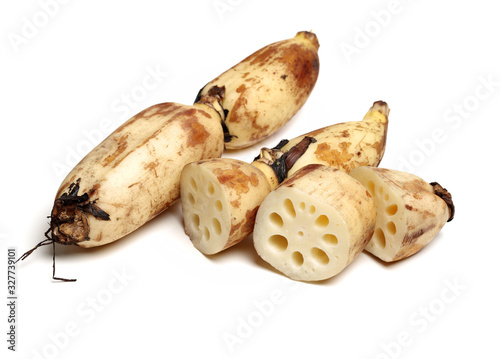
x=219, y=199
x=314, y=224
x=301, y=237
x=205, y=209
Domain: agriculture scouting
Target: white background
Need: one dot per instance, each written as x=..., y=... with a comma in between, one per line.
x=65, y=71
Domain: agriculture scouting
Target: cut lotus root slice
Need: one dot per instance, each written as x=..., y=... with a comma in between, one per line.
x=410, y=211
x=314, y=224
x=218, y=198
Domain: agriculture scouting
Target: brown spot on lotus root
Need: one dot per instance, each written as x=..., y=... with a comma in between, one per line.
x=245, y=227
x=235, y=228
x=235, y=115
x=133, y=184
x=250, y=220
x=151, y=166
x=259, y=129
x=254, y=180
x=197, y=133
x=335, y=157
x=121, y=147
x=236, y=179
x=241, y=112
x=264, y=55
x=302, y=65
x=411, y=237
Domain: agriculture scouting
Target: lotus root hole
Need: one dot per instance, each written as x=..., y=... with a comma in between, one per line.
x=206, y=234
x=216, y=225
x=391, y=228
x=276, y=219
x=196, y=221
x=193, y=184
x=320, y=256
x=289, y=208
x=379, y=238
x=322, y=221
x=297, y=259
x=278, y=243
x=392, y=209
x=371, y=187
x=330, y=239
x=210, y=189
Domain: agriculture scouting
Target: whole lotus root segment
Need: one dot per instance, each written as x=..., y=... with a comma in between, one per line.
x=345, y=145
x=348, y=145
x=409, y=213
x=131, y=176
x=219, y=198
x=266, y=89
x=314, y=224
